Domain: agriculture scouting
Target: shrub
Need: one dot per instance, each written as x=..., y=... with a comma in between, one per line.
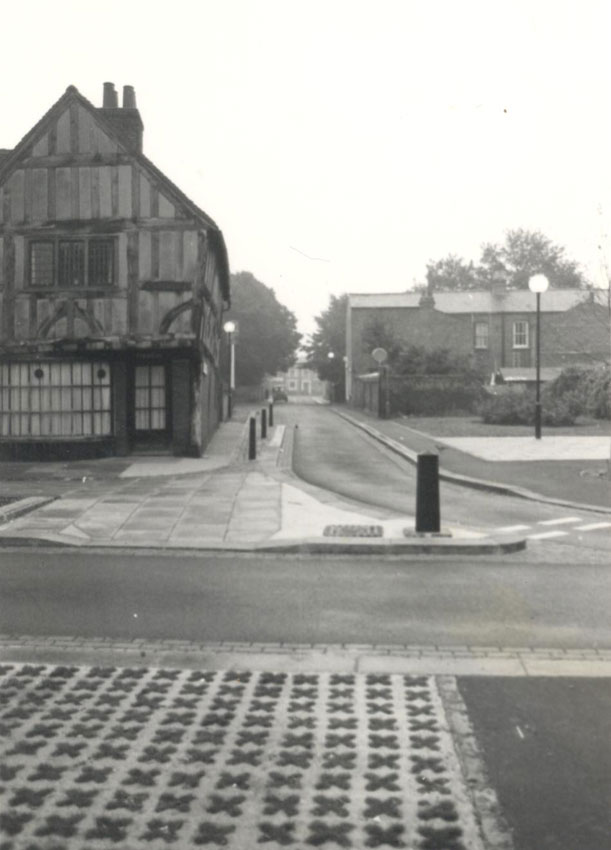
x=584, y=391
x=506, y=408
x=596, y=389
x=568, y=382
x=518, y=408
x=435, y=395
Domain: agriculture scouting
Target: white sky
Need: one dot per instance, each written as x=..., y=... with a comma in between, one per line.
x=369, y=135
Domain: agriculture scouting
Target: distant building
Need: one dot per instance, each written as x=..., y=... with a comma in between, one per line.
x=496, y=329
x=113, y=285
x=300, y=380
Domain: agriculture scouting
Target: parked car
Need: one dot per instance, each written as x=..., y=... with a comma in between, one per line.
x=278, y=394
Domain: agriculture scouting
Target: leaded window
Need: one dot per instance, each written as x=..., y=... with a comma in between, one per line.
x=72, y=263
x=55, y=399
x=150, y=406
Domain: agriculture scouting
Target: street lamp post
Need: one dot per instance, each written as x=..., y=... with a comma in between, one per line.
x=538, y=283
x=229, y=328
x=331, y=358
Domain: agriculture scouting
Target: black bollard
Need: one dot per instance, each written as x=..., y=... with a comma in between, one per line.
x=252, y=439
x=427, y=494
x=271, y=414
x=263, y=423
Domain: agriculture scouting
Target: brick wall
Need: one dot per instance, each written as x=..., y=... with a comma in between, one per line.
x=578, y=335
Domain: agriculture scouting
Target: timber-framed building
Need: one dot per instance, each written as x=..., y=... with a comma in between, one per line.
x=113, y=285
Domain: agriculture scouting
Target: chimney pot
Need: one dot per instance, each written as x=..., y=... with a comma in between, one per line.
x=111, y=100
x=129, y=97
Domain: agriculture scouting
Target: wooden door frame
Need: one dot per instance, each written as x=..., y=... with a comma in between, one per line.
x=138, y=439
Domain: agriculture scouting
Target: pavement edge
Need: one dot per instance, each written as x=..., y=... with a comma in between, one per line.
x=493, y=827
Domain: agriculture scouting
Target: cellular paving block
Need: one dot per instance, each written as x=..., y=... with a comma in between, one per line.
x=130, y=758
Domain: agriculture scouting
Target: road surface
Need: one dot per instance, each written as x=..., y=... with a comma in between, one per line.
x=333, y=454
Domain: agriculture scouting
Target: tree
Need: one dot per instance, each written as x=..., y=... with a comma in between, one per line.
x=418, y=360
x=330, y=339
x=451, y=273
x=525, y=253
x=267, y=330
x=522, y=254
x=377, y=334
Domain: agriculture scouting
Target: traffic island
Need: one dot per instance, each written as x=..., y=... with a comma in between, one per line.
x=419, y=544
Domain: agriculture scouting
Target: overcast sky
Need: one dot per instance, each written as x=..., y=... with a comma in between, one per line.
x=342, y=144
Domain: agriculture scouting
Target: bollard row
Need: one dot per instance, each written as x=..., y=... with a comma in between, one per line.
x=252, y=430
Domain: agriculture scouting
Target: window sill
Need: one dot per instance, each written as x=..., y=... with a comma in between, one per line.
x=76, y=290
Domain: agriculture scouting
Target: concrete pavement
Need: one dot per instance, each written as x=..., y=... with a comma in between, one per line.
x=222, y=501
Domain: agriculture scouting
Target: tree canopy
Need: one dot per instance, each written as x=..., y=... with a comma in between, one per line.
x=377, y=334
x=522, y=254
x=451, y=272
x=267, y=330
x=329, y=338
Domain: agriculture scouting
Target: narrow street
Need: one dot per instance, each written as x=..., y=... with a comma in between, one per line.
x=332, y=454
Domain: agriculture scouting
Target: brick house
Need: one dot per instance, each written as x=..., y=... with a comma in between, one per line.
x=300, y=379
x=495, y=329
x=112, y=291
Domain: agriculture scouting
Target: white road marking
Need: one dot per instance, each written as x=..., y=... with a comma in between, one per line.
x=513, y=528
x=561, y=521
x=520, y=733
x=547, y=534
x=592, y=525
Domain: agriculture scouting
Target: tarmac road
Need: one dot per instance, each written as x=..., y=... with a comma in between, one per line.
x=546, y=744
x=333, y=454
x=448, y=601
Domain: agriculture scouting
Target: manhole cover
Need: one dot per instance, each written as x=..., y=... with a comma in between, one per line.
x=353, y=531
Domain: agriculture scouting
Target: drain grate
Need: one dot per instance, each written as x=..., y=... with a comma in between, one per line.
x=148, y=758
x=353, y=531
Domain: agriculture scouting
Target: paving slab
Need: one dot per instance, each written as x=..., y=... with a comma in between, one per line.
x=455, y=665
x=261, y=506
x=569, y=667
x=507, y=449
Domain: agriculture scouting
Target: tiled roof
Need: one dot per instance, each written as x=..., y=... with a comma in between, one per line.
x=479, y=301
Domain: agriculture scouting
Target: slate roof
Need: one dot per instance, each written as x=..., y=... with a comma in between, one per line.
x=479, y=301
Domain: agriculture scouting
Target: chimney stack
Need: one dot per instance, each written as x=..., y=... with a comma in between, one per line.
x=111, y=99
x=129, y=97
x=126, y=120
x=498, y=284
